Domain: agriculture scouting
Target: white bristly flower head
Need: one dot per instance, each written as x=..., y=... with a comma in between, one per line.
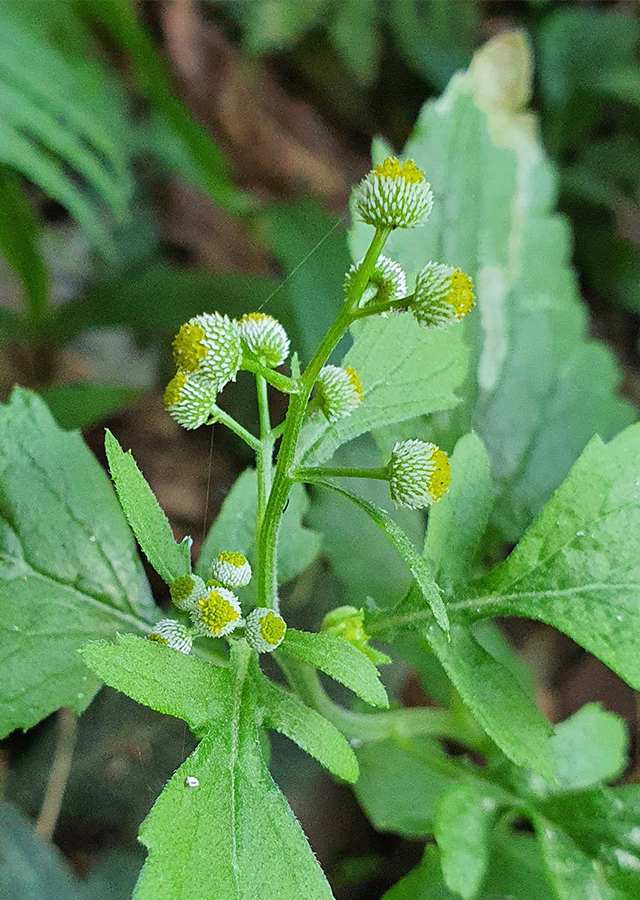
x=265, y=338
x=443, y=295
x=231, y=569
x=265, y=629
x=217, y=613
x=210, y=345
x=419, y=474
x=394, y=195
x=387, y=282
x=189, y=399
x=173, y=634
x=340, y=392
x=186, y=591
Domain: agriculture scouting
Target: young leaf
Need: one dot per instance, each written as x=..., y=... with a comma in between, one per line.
x=589, y=749
x=340, y=660
x=578, y=566
x=283, y=712
x=69, y=572
x=150, y=525
x=465, y=814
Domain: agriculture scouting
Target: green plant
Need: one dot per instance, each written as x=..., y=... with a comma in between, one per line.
x=221, y=827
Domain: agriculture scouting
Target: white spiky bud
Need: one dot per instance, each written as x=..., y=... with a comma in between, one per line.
x=339, y=391
x=231, y=569
x=217, y=612
x=210, y=345
x=265, y=629
x=265, y=338
x=173, y=634
x=386, y=283
x=187, y=590
x=189, y=400
x=394, y=195
x=419, y=474
x=443, y=295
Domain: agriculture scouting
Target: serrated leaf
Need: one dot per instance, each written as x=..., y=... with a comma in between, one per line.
x=150, y=525
x=465, y=814
x=340, y=660
x=405, y=370
x=69, y=571
x=578, y=567
x=283, y=712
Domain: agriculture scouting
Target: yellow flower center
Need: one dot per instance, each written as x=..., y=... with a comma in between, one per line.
x=188, y=348
x=440, y=478
x=216, y=612
x=272, y=628
x=181, y=588
x=158, y=639
x=392, y=168
x=354, y=378
x=231, y=556
x=461, y=295
x=255, y=317
x=173, y=389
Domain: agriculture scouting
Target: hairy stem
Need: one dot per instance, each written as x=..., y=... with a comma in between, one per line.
x=310, y=474
x=220, y=415
x=264, y=456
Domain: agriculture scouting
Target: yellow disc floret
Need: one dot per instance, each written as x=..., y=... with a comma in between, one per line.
x=188, y=346
x=265, y=629
x=419, y=474
x=231, y=569
x=354, y=378
x=172, y=392
x=394, y=195
x=217, y=613
x=440, y=478
x=190, y=399
x=393, y=168
x=443, y=295
x=461, y=297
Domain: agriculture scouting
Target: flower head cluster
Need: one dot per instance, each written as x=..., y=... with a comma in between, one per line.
x=173, y=634
x=394, y=195
x=217, y=612
x=231, y=569
x=339, y=391
x=443, y=295
x=387, y=282
x=419, y=474
x=186, y=591
x=265, y=630
x=265, y=338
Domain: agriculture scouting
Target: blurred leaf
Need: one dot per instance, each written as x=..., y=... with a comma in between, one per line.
x=355, y=34
x=69, y=570
x=589, y=749
x=81, y=404
x=573, y=875
x=115, y=876
x=278, y=24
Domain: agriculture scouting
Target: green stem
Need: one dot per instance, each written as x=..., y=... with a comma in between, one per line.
x=310, y=474
x=277, y=379
x=375, y=309
x=219, y=415
x=264, y=456
x=282, y=480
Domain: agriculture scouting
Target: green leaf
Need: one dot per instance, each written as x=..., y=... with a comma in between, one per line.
x=573, y=874
x=340, y=660
x=464, y=818
x=589, y=749
x=458, y=521
x=356, y=36
x=283, y=712
x=578, y=568
x=235, y=529
x=539, y=388
x=416, y=564
x=277, y=24
x=69, y=572
x=406, y=371
x=80, y=404
x=233, y=828
x=150, y=525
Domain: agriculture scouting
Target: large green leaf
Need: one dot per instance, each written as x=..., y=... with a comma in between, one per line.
x=539, y=388
x=69, y=571
x=230, y=835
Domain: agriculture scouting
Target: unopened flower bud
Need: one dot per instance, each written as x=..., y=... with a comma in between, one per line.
x=387, y=282
x=394, y=195
x=186, y=591
x=265, y=338
x=347, y=622
x=231, y=569
x=265, y=629
x=443, y=295
x=340, y=392
x=173, y=634
x=189, y=400
x=217, y=613
x=419, y=474
x=210, y=345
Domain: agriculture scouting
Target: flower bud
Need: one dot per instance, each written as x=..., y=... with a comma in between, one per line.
x=217, y=613
x=394, y=195
x=265, y=630
x=210, y=345
x=265, y=337
x=186, y=591
x=189, y=400
x=231, y=569
x=340, y=392
x=419, y=474
x=173, y=634
x=387, y=282
x=347, y=622
x=443, y=295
